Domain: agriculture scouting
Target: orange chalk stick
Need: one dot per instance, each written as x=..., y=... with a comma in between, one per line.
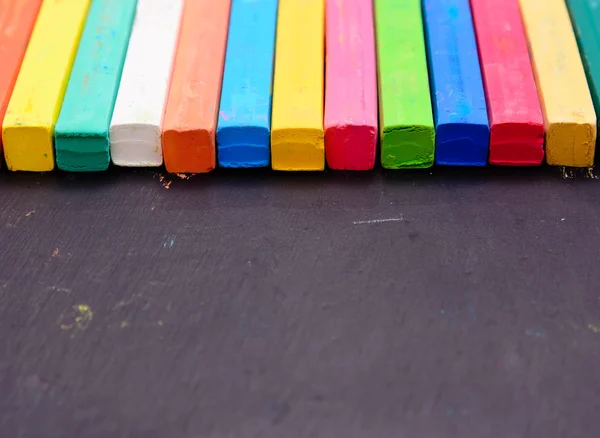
x=17, y=18
x=190, y=121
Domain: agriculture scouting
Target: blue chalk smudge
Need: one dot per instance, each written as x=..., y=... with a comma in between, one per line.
x=169, y=243
x=535, y=333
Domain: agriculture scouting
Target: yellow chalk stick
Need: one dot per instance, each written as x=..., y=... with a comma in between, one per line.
x=28, y=128
x=569, y=116
x=297, y=139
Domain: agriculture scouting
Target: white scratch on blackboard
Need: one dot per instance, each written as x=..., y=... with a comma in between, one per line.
x=379, y=221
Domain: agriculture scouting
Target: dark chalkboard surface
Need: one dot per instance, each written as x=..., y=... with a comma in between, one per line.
x=444, y=303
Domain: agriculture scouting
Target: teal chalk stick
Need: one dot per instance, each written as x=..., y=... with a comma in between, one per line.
x=81, y=133
x=243, y=131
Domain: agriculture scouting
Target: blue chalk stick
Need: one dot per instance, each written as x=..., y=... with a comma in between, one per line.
x=243, y=130
x=460, y=113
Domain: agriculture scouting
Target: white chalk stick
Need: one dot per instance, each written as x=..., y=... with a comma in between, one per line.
x=136, y=126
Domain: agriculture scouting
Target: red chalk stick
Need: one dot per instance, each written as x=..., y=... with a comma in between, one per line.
x=350, y=86
x=17, y=18
x=516, y=121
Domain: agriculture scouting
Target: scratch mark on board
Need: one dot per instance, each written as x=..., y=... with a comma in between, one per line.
x=594, y=328
x=379, y=221
x=59, y=289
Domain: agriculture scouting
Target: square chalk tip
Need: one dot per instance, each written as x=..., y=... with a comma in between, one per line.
x=189, y=150
x=572, y=143
x=243, y=147
x=351, y=147
x=407, y=147
x=298, y=149
x=79, y=150
x=517, y=144
x=28, y=148
x=462, y=144
x=136, y=145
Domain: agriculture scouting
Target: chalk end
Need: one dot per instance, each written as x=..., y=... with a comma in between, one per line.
x=136, y=145
x=517, y=144
x=28, y=148
x=351, y=147
x=407, y=147
x=570, y=144
x=243, y=146
x=298, y=149
x=189, y=150
x=462, y=144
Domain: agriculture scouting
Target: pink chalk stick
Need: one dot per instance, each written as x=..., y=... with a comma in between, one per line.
x=350, y=86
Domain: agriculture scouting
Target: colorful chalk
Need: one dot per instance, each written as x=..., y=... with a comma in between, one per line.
x=405, y=114
x=351, y=86
x=17, y=18
x=585, y=18
x=81, y=133
x=244, y=127
x=136, y=125
x=297, y=137
x=28, y=126
x=461, y=123
x=569, y=117
x=515, y=115
x=188, y=140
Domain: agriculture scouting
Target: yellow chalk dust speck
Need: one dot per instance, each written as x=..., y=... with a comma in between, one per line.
x=124, y=324
x=160, y=323
x=78, y=320
x=55, y=253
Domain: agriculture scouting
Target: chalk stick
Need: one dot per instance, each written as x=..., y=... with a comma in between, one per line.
x=244, y=127
x=17, y=18
x=136, y=124
x=297, y=137
x=461, y=124
x=569, y=117
x=81, y=133
x=407, y=134
x=516, y=121
x=585, y=18
x=28, y=127
x=351, y=86
x=193, y=102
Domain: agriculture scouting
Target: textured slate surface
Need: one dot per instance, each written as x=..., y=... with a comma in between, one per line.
x=266, y=305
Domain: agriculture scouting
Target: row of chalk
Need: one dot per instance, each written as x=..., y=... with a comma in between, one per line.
x=243, y=83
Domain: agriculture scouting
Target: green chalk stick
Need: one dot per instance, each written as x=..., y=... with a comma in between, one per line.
x=81, y=133
x=405, y=112
x=585, y=18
